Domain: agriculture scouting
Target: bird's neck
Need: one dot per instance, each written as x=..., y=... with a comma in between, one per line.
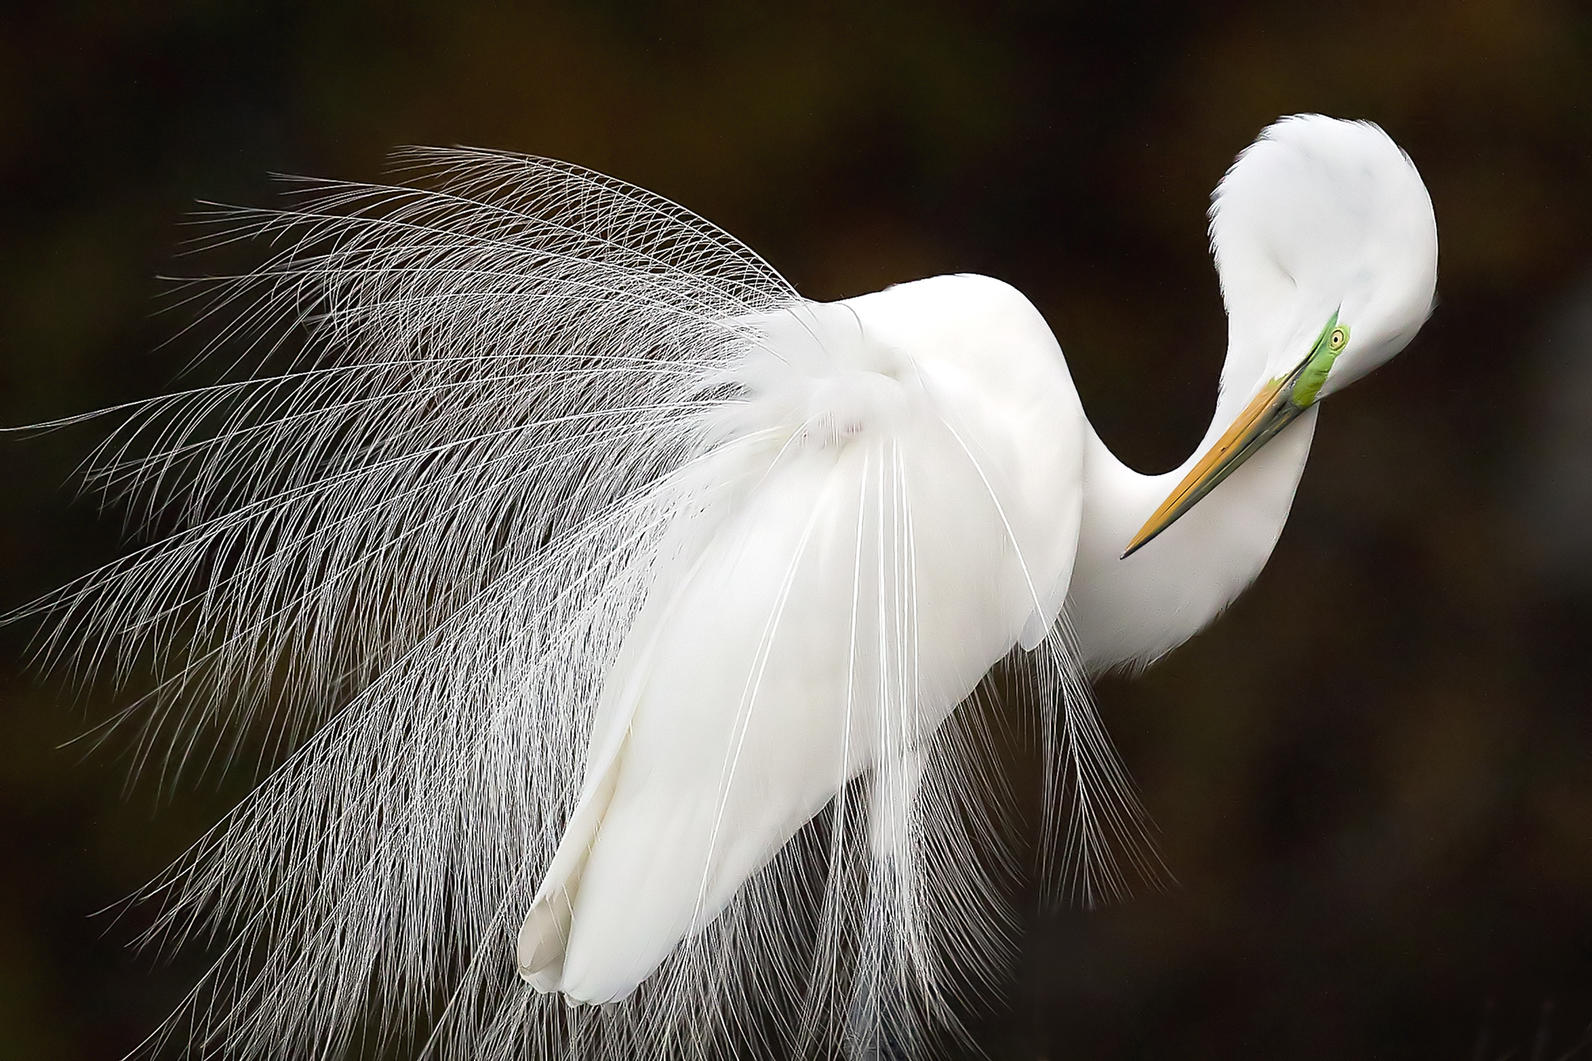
x=1129, y=612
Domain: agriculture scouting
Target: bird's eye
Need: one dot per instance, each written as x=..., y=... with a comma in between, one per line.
x=1338, y=337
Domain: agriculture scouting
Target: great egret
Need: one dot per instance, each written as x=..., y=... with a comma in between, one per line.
x=617, y=602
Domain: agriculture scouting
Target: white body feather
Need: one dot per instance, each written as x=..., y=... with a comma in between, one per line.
x=791, y=642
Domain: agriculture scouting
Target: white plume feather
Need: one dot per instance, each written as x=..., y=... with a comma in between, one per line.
x=410, y=533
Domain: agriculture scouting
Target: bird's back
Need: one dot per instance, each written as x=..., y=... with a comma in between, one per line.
x=891, y=505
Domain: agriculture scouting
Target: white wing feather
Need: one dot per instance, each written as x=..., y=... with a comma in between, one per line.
x=854, y=576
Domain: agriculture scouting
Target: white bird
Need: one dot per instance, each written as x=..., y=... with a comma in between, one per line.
x=623, y=609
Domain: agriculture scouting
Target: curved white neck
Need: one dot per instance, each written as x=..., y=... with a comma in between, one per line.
x=1128, y=612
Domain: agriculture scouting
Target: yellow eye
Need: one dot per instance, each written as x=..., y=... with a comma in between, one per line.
x=1338, y=337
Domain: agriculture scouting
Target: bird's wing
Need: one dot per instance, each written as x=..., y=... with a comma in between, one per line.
x=907, y=510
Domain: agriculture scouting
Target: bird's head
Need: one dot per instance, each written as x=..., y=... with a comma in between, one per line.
x=1326, y=247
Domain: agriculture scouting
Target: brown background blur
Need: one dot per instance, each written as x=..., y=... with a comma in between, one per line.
x=1373, y=777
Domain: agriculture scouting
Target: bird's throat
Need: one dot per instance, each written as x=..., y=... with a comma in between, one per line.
x=1128, y=612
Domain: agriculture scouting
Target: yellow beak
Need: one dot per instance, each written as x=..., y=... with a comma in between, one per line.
x=1271, y=410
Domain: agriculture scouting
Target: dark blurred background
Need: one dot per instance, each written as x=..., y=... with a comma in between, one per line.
x=1373, y=777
